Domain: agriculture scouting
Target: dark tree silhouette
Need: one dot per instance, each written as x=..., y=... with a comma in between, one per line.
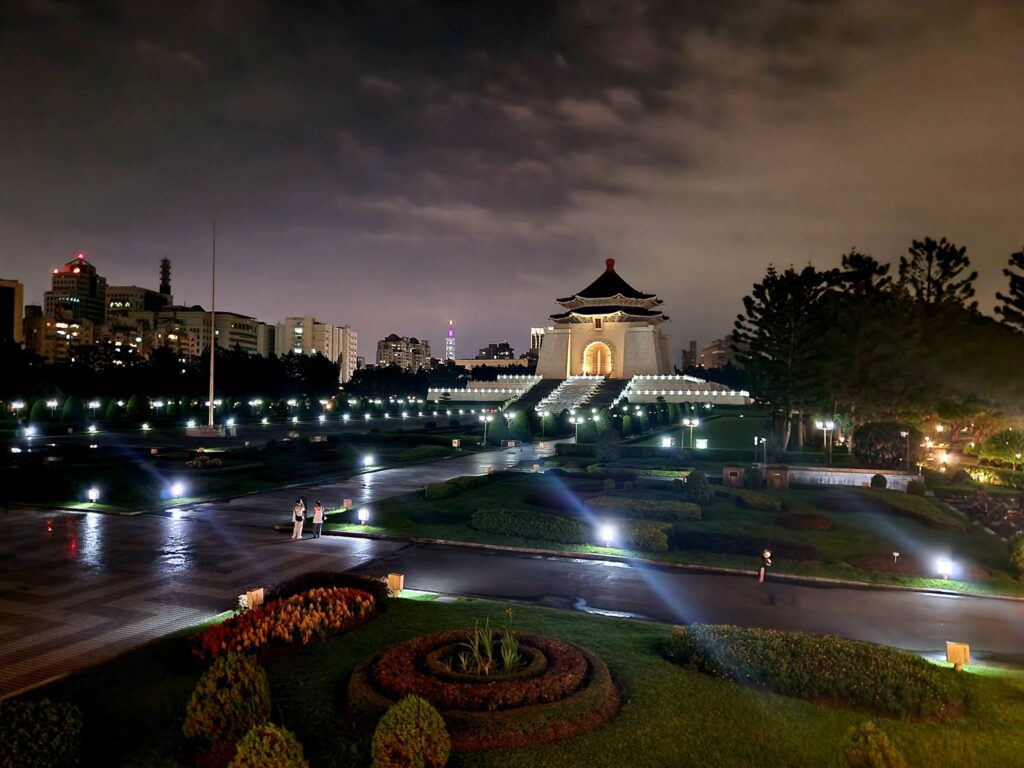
x=933, y=274
x=1012, y=309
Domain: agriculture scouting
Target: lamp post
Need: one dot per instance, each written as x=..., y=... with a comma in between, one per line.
x=905, y=434
x=1016, y=459
x=543, y=415
x=826, y=427
x=93, y=405
x=576, y=420
x=509, y=416
x=486, y=419
x=691, y=423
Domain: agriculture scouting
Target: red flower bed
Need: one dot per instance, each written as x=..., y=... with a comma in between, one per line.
x=301, y=619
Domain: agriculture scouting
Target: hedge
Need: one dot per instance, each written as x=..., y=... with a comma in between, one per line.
x=645, y=509
x=751, y=499
x=455, y=486
x=823, y=669
x=744, y=546
x=643, y=535
x=531, y=525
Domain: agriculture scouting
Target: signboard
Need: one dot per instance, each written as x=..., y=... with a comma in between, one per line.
x=347, y=504
x=668, y=442
x=456, y=443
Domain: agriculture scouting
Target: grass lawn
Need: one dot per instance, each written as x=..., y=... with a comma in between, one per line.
x=868, y=523
x=134, y=706
x=723, y=431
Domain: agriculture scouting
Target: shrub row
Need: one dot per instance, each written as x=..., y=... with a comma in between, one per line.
x=399, y=672
x=297, y=620
x=644, y=535
x=645, y=509
x=39, y=734
x=751, y=499
x=531, y=525
x=455, y=486
x=823, y=669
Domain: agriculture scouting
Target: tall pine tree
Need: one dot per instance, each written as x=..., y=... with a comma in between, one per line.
x=932, y=274
x=1012, y=309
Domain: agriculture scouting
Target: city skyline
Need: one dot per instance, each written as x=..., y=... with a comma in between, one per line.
x=358, y=157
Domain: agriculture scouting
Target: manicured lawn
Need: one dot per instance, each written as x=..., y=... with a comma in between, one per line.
x=865, y=523
x=725, y=431
x=134, y=706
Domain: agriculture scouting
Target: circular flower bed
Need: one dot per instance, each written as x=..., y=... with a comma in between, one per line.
x=560, y=690
x=297, y=620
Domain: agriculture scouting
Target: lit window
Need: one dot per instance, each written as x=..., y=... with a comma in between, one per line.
x=597, y=323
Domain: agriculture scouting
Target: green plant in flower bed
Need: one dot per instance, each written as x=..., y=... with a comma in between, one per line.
x=645, y=509
x=571, y=694
x=411, y=734
x=231, y=697
x=269, y=746
x=39, y=734
x=297, y=620
x=823, y=669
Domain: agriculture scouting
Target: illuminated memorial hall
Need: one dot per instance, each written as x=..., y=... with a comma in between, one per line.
x=606, y=346
x=608, y=329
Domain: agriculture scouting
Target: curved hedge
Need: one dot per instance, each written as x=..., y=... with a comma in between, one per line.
x=573, y=694
x=820, y=668
x=644, y=535
x=646, y=509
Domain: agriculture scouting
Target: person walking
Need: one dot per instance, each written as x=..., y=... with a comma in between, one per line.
x=318, y=518
x=298, y=518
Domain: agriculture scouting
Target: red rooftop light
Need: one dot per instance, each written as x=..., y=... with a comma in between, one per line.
x=81, y=255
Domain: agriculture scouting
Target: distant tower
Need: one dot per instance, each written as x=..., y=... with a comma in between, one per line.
x=165, y=276
x=449, y=342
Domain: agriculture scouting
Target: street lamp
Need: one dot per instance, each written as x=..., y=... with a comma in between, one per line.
x=826, y=427
x=543, y=415
x=368, y=460
x=364, y=515
x=16, y=406
x=93, y=405
x=52, y=405
x=509, y=416
x=905, y=434
x=93, y=495
x=691, y=423
x=1016, y=459
x=607, y=535
x=486, y=419
x=576, y=420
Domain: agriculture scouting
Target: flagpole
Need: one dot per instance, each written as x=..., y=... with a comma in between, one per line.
x=213, y=318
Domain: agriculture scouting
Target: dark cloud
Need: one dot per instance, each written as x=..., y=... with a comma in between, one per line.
x=391, y=165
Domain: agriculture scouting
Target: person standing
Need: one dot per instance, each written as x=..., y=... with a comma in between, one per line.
x=298, y=518
x=318, y=518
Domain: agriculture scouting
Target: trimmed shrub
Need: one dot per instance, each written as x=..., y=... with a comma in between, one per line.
x=644, y=535
x=231, y=697
x=410, y=735
x=645, y=509
x=754, y=479
x=879, y=481
x=607, y=446
x=915, y=488
x=697, y=489
x=744, y=546
x=269, y=746
x=825, y=669
x=1017, y=553
x=609, y=484
x=867, y=746
x=531, y=525
x=39, y=734
x=438, y=491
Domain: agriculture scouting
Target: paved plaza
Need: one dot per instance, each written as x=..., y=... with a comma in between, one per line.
x=76, y=589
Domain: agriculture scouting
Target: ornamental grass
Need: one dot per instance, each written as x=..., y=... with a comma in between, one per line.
x=301, y=619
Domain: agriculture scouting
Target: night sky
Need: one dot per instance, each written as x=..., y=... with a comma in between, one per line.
x=391, y=165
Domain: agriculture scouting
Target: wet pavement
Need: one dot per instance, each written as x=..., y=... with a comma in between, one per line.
x=76, y=589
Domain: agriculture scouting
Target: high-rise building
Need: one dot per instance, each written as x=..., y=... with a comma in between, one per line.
x=131, y=298
x=78, y=292
x=718, y=353
x=54, y=340
x=449, y=342
x=690, y=355
x=499, y=351
x=305, y=336
x=536, y=339
x=406, y=351
x=165, y=279
x=12, y=300
x=186, y=330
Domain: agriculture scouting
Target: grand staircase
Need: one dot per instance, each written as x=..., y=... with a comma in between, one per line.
x=607, y=393
x=536, y=393
x=570, y=394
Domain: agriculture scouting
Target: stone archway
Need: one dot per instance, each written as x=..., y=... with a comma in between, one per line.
x=597, y=359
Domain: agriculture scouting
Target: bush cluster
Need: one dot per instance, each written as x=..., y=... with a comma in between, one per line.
x=879, y=481
x=915, y=488
x=231, y=697
x=1017, y=553
x=823, y=669
x=645, y=509
x=697, y=489
x=531, y=525
x=297, y=620
x=39, y=734
x=411, y=734
x=269, y=746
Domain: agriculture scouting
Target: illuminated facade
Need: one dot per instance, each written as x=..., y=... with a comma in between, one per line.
x=449, y=342
x=78, y=293
x=305, y=336
x=608, y=329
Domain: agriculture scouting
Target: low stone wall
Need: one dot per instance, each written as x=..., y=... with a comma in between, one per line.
x=837, y=476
